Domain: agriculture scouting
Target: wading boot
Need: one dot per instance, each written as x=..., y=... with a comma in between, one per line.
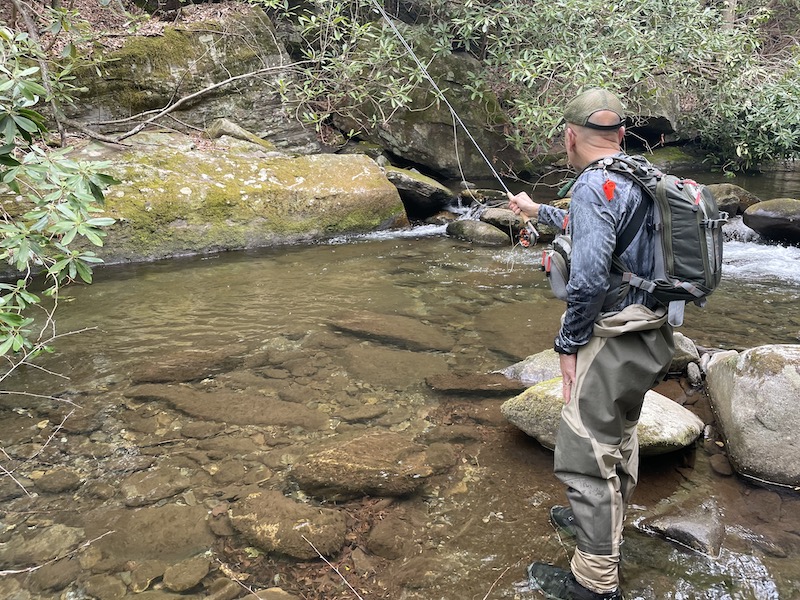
x=560, y=584
x=563, y=519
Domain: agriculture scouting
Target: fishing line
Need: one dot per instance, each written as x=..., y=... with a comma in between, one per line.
x=441, y=95
x=532, y=235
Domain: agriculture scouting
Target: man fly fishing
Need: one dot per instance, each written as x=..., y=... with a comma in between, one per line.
x=611, y=352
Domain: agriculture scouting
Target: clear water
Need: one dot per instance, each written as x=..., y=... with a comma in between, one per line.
x=497, y=306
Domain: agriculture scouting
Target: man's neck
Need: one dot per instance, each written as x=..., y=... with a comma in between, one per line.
x=595, y=155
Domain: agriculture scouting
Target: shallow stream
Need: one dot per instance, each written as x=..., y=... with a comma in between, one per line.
x=488, y=519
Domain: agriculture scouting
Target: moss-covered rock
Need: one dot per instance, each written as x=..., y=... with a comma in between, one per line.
x=177, y=199
x=148, y=73
x=777, y=219
x=664, y=425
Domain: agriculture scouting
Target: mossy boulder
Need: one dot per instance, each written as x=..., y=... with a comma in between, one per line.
x=148, y=73
x=664, y=425
x=777, y=219
x=732, y=199
x=177, y=199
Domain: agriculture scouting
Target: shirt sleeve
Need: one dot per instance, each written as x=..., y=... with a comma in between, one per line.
x=593, y=229
x=552, y=216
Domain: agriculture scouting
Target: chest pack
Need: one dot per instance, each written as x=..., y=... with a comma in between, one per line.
x=687, y=231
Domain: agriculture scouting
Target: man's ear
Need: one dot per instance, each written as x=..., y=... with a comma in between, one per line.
x=621, y=134
x=570, y=137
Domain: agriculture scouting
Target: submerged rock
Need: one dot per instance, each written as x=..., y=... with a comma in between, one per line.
x=169, y=533
x=376, y=464
x=404, y=332
x=148, y=487
x=231, y=407
x=494, y=384
x=187, y=365
x=40, y=545
x=697, y=527
x=278, y=524
x=186, y=574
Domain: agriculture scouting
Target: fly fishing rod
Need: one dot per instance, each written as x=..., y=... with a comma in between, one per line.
x=532, y=234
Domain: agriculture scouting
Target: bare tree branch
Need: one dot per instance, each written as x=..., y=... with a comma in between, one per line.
x=90, y=132
x=197, y=94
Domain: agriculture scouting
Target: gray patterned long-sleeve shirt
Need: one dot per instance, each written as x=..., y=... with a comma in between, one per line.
x=594, y=225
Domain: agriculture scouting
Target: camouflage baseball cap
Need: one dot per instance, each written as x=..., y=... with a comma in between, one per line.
x=584, y=105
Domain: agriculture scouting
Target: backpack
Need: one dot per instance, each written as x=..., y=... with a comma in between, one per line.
x=688, y=237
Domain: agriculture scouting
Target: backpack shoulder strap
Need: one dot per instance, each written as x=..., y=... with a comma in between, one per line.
x=638, y=173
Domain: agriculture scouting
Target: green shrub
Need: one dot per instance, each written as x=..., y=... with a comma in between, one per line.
x=537, y=54
x=52, y=201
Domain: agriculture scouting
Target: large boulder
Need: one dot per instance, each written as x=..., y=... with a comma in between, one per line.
x=754, y=395
x=148, y=73
x=422, y=196
x=423, y=133
x=664, y=425
x=777, y=219
x=176, y=198
x=731, y=198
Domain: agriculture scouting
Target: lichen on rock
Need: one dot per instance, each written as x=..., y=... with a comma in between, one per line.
x=177, y=199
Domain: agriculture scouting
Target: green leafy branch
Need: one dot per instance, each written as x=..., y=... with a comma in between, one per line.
x=53, y=203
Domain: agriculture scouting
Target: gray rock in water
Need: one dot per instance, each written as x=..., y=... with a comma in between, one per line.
x=731, y=198
x=754, y=395
x=422, y=196
x=685, y=353
x=502, y=218
x=536, y=368
x=664, y=425
x=278, y=524
x=694, y=375
x=777, y=219
x=478, y=232
x=697, y=527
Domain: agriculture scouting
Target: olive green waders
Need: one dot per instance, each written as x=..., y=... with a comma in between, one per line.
x=597, y=450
